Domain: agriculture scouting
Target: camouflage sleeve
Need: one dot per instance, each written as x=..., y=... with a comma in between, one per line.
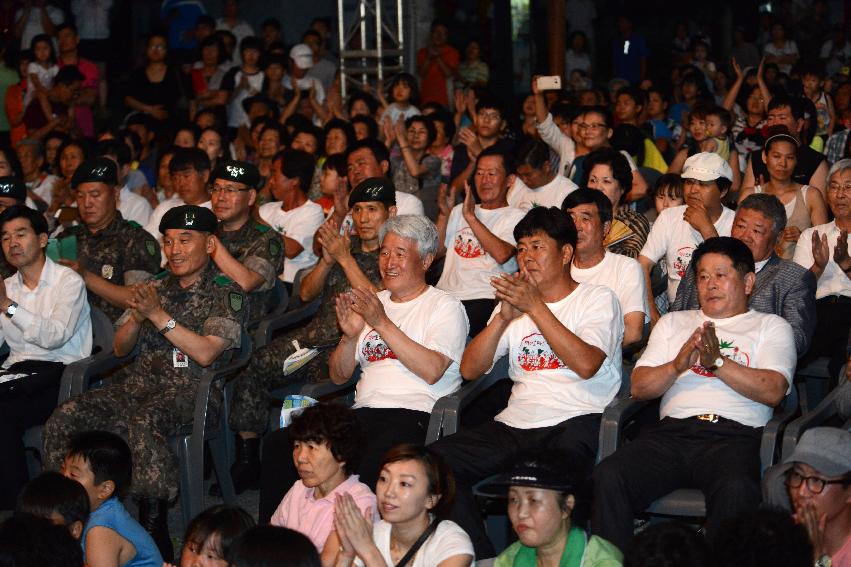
x=143, y=257
x=226, y=315
x=265, y=257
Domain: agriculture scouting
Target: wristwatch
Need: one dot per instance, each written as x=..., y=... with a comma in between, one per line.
x=824, y=561
x=717, y=363
x=171, y=324
x=10, y=311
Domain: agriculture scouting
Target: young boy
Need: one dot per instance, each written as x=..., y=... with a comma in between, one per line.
x=57, y=498
x=813, y=79
x=101, y=462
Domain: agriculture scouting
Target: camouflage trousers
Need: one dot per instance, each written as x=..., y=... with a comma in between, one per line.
x=252, y=397
x=142, y=411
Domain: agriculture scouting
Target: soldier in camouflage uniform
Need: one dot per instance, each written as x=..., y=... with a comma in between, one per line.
x=343, y=265
x=112, y=253
x=13, y=192
x=183, y=321
x=250, y=253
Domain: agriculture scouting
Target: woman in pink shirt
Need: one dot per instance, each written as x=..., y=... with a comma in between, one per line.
x=326, y=449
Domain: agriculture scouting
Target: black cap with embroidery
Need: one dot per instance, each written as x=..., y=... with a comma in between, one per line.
x=189, y=217
x=96, y=170
x=374, y=189
x=237, y=171
x=13, y=188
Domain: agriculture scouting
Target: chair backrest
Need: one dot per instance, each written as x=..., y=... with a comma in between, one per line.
x=295, y=300
x=102, y=331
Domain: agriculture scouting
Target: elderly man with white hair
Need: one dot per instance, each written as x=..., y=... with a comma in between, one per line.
x=823, y=250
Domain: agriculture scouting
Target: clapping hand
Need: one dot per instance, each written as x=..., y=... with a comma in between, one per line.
x=335, y=246
x=350, y=322
x=708, y=346
x=366, y=304
x=468, y=208
x=840, y=253
x=145, y=300
x=353, y=528
x=689, y=353
x=446, y=196
x=821, y=251
x=519, y=290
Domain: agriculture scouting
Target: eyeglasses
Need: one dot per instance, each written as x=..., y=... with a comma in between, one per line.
x=597, y=126
x=227, y=190
x=814, y=484
x=839, y=187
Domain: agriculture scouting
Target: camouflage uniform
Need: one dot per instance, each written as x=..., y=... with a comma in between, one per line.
x=260, y=249
x=150, y=399
x=122, y=253
x=250, y=409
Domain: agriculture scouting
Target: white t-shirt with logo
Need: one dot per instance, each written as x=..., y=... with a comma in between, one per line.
x=550, y=195
x=674, y=239
x=435, y=320
x=622, y=275
x=752, y=339
x=545, y=391
x=300, y=224
x=468, y=268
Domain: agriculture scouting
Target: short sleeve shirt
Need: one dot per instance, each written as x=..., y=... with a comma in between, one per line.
x=623, y=276
x=299, y=224
x=550, y=195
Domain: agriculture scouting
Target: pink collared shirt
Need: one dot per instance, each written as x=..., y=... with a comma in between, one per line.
x=300, y=511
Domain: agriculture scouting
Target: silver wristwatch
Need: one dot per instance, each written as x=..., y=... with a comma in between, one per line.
x=10, y=311
x=171, y=324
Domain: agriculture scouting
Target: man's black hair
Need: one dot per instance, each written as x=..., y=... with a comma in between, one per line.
x=668, y=544
x=52, y=492
x=629, y=138
x=108, y=457
x=298, y=164
x=378, y=150
x=69, y=74
x=733, y=248
x=768, y=206
x=508, y=162
x=587, y=196
x=762, y=537
x=566, y=112
x=638, y=96
x=344, y=126
x=311, y=32
x=334, y=425
x=271, y=23
x=371, y=125
x=142, y=119
x=213, y=40
x=26, y=541
x=533, y=153
x=273, y=546
x=189, y=158
x=115, y=148
x=250, y=42
x=489, y=102
x=317, y=133
x=66, y=25
x=37, y=220
x=552, y=221
x=793, y=102
x=409, y=80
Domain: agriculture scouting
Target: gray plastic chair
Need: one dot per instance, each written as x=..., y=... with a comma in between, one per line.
x=280, y=303
x=296, y=312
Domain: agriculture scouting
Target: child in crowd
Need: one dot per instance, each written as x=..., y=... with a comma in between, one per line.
x=26, y=541
x=271, y=546
x=41, y=71
x=101, y=462
x=813, y=80
x=709, y=127
x=333, y=172
x=57, y=498
x=667, y=193
x=404, y=96
x=211, y=535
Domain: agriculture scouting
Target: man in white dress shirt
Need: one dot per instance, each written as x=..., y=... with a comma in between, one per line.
x=46, y=323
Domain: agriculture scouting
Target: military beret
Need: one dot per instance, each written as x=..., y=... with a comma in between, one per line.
x=189, y=217
x=374, y=189
x=238, y=171
x=13, y=188
x=95, y=170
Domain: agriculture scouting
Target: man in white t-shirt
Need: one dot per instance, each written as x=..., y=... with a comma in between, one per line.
x=536, y=184
x=563, y=341
x=478, y=240
x=591, y=212
x=719, y=372
x=301, y=61
x=189, y=169
x=823, y=250
x=678, y=230
x=292, y=215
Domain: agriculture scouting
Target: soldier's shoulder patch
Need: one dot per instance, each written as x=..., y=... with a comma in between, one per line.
x=134, y=224
x=162, y=275
x=222, y=281
x=151, y=247
x=262, y=227
x=235, y=301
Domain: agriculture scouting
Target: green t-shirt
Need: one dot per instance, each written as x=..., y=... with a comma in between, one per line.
x=597, y=553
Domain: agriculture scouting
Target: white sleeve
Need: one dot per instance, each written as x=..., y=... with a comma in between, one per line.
x=303, y=226
x=657, y=241
x=602, y=321
x=447, y=329
x=804, y=249
x=53, y=329
x=502, y=344
x=452, y=226
x=555, y=138
x=504, y=227
x=32, y=68
x=447, y=542
x=635, y=292
x=660, y=343
x=777, y=348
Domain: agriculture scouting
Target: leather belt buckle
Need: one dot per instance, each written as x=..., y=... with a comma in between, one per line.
x=710, y=417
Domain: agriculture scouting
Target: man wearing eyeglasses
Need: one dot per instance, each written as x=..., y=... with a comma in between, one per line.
x=817, y=482
x=823, y=249
x=249, y=253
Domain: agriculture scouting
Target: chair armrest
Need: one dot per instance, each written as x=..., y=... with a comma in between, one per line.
x=772, y=434
x=76, y=376
x=615, y=417
x=270, y=324
x=447, y=410
x=327, y=388
x=820, y=414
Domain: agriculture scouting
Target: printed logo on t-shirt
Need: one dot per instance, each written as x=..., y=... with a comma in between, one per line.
x=536, y=354
x=683, y=260
x=467, y=245
x=375, y=349
x=730, y=350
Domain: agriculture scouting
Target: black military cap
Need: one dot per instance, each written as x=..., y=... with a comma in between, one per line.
x=189, y=217
x=13, y=188
x=96, y=170
x=374, y=189
x=238, y=171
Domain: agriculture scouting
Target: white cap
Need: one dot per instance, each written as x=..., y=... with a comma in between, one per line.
x=707, y=166
x=302, y=55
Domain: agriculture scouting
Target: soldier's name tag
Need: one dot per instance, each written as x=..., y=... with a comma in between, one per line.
x=179, y=359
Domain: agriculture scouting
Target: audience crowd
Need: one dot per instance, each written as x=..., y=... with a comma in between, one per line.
x=676, y=236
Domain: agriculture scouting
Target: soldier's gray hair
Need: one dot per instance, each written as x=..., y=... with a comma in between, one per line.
x=839, y=167
x=413, y=227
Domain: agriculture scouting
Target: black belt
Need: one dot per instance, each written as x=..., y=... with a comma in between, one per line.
x=835, y=299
